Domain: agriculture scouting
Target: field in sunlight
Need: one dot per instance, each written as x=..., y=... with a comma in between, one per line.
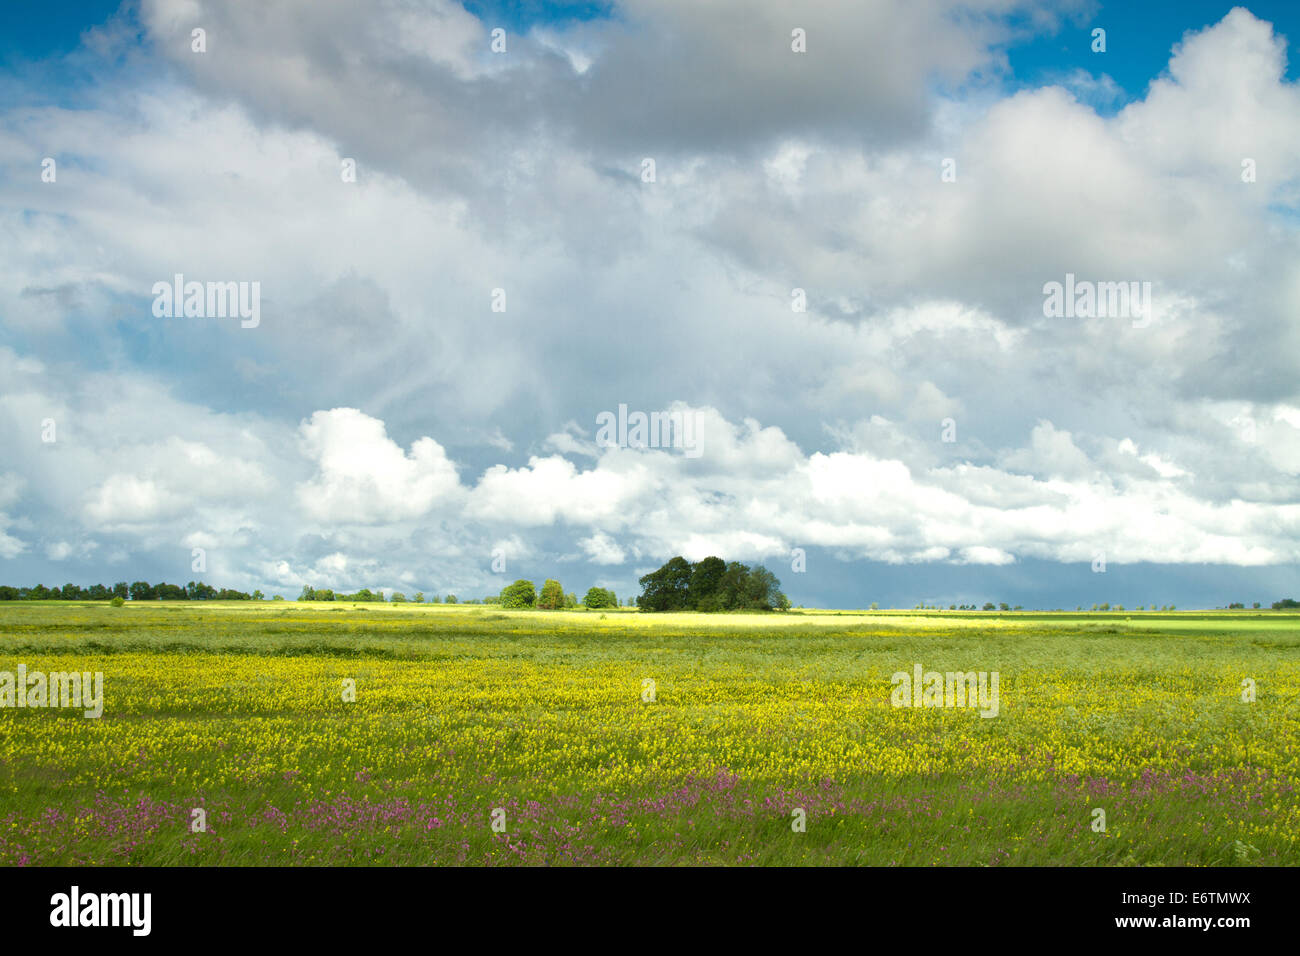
x=312, y=734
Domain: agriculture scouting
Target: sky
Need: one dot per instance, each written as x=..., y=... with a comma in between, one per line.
x=833, y=264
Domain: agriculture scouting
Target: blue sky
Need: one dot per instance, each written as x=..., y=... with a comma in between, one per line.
x=521, y=16
x=1143, y=33
x=1139, y=37
x=382, y=426
x=35, y=31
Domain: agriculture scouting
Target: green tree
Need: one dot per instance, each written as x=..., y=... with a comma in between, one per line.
x=520, y=594
x=732, y=589
x=667, y=588
x=762, y=590
x=706, y=576
x=552, y=596
x=711, y=585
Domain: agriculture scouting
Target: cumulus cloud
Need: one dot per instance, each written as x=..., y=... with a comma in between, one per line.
x=10, y=491
x=364, y=476
x=126, y=499
x=602, y=549
x=383, y=421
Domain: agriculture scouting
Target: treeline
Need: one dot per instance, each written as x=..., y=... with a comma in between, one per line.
x=521, y=593
x=139, y=591
x=710, y=585
x=1282, y=605
x=310, y=593
x=552, y=597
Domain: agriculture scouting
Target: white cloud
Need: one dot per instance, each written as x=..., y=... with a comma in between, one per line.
x=816, y=429
x=364, y=477
x=602, y=549
x=127, y=499
x=11, y=487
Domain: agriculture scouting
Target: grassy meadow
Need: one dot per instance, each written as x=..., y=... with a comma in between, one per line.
x=756, y=721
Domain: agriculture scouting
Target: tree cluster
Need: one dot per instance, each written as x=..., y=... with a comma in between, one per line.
x=139, y=591
x=523, y=594
x=710, y=585
x=310, y=593
x=596, y=598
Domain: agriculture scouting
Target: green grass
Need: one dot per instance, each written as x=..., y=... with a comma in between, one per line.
x=236, y=708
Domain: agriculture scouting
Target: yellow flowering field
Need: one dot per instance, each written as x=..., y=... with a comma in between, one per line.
x=281, y=734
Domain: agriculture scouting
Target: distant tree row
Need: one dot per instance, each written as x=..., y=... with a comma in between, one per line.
x=710, y=585
x=139, y=591
x=1282, y=605
x=310, y=593
x=597, y=598
x=520, y=594
x=523, y=594
x=1105, y=606
x=988, y=606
